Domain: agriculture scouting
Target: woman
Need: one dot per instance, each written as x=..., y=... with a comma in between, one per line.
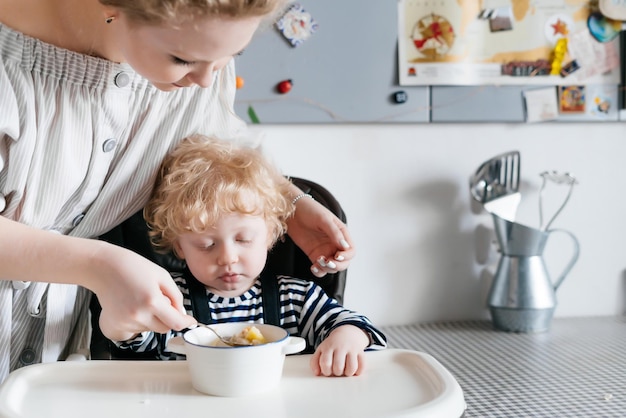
x=93, y=94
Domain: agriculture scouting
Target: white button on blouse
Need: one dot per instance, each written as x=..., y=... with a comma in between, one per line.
x=77, y=220
x=121, y=79
x=109, y=145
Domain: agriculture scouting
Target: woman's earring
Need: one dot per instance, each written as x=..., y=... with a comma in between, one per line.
x=109, y=19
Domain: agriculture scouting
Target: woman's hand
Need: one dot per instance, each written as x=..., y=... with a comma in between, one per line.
x=341, y=354
x=322, y=236
x=136, y=295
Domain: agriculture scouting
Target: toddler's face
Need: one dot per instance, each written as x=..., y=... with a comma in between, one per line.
x=228, y=257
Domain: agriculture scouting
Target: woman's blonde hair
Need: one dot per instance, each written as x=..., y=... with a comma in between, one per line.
x=160, y=11
x=204, y=179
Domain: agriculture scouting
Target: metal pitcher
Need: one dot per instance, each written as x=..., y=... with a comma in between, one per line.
x=522, y=297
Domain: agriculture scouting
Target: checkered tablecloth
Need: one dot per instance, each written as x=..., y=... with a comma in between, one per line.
x=576, y=369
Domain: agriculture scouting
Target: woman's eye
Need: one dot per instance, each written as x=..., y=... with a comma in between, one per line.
x=240, y=53
x=179, y=61
x=244, y=241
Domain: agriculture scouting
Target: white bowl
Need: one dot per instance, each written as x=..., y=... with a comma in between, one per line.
x=235, y=371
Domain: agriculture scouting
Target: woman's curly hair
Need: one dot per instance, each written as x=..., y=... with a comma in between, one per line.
x=204, y=179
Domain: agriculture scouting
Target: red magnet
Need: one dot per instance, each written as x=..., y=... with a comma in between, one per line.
x=284, y=86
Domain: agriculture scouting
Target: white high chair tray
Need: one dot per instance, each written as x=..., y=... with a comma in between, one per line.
x=395, y=383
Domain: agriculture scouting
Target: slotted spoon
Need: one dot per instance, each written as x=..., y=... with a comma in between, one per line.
x=497, y=177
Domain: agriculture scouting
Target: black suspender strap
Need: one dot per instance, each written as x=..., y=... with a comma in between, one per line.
x=199, y=299
x=271, y=305
x=269, y=289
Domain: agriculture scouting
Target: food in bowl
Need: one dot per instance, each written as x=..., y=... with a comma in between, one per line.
x=249, y=335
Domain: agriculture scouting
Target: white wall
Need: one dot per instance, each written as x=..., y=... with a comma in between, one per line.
x=422, y=253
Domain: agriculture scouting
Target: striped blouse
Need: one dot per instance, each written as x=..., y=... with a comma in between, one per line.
x=305, y=311
x=81, y=139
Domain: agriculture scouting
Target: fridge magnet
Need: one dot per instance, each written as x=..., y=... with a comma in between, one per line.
x=399, y=97
x=560, y=49
x=296, y=25
x=602, y=101
x=501, y=19
x=541, y=105
x=572, y=99
x=284, y=86
x=433, y=36
x=239, y=82
x=526, y=68
x=601, y=106
x=569, y=68
x=253, y=116
x=602, y=28
x=557, y=27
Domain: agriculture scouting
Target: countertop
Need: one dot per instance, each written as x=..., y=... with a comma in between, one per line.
x=576, y=369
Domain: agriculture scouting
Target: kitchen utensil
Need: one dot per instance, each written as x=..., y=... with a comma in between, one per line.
x=505, y=206
x=496, y=177
x=235, y=371
x=558, y=178
x=522, y=297
x=233, y=342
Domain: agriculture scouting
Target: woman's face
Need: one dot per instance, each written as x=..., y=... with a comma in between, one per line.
x=171, y=58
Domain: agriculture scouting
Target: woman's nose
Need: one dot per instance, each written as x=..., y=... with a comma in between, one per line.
x=203, y=75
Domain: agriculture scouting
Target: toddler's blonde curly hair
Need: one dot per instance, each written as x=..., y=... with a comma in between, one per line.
x=204, y=179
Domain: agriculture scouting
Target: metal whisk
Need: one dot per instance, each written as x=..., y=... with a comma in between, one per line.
x=558, y=178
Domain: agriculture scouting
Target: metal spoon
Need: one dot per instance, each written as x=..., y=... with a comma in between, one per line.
x=232, y=342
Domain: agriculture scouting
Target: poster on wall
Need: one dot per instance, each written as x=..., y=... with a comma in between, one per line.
x=505, y=42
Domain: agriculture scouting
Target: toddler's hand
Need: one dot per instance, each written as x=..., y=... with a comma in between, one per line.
x=341, y=354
